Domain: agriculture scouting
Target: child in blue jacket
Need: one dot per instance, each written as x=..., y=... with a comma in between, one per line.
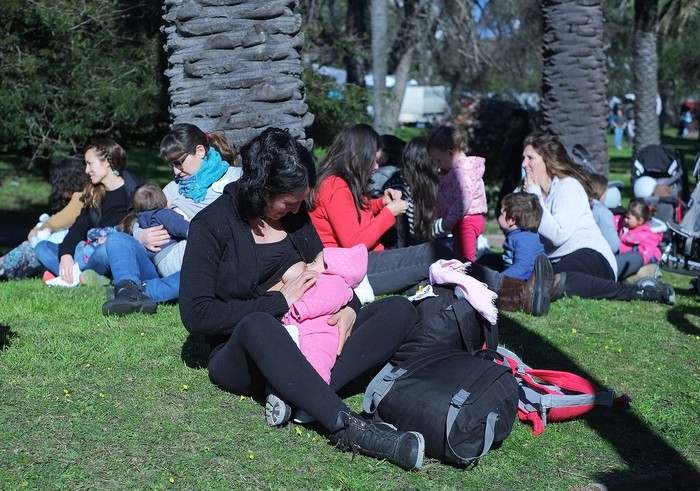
x=520, y=218
x=150, y=209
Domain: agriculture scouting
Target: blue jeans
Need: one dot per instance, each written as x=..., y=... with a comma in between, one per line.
x=47, y=254
x=618, y=132
x=128, y=260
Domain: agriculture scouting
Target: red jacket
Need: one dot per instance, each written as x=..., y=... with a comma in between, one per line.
x=335, y=217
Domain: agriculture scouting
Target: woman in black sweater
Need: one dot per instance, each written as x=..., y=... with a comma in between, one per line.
x=106, y=199
x=241, y=245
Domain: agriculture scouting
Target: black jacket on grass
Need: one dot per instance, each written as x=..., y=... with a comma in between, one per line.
x=219, y=282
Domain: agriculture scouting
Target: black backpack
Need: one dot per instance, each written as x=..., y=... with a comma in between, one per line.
x=460, y=403
x=446, y=322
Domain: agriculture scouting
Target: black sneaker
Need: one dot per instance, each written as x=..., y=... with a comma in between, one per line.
x=277, y=412
x=380, y=440
x=657, y=293
x=128, y=299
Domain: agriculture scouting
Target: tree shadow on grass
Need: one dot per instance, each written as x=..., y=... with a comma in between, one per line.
x=681, y=318
x=636, y=443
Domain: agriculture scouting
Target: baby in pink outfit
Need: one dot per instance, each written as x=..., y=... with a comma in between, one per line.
x=341, y=270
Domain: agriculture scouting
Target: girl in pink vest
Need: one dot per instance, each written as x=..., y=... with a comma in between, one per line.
x=461, y=191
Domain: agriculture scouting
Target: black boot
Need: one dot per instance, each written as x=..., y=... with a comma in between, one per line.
x=380, y=440
x=129, y=298
x=657, y=293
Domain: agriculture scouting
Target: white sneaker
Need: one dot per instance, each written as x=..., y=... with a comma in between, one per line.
x=277, y=412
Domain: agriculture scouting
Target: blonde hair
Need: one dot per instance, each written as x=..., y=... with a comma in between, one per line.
x=599, y=185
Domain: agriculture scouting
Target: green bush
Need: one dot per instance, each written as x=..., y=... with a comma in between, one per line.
x=75, y=70
x=333, y=107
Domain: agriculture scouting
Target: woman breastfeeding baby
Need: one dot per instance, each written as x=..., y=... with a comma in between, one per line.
x=239, y=249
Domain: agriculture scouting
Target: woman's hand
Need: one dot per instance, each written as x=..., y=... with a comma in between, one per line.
x=397, y=207
x=344, y=320
x=154, y=237
x=391, y=195
x=65, y=268
x=295, y=288
x=530, y=180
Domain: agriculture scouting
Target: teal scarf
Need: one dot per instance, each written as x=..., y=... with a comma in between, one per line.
x=195, y=187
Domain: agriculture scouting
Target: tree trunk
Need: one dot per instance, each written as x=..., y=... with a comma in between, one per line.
x=573, y=76
x=234, y=66
x=356, y=29
x=645, y=74
x=380, y=55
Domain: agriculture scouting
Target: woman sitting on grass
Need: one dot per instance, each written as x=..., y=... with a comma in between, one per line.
x=67, y=179
x=106, y=199
x=201, y=164
x=244, y=244
x=572, y=239
x=345, y=215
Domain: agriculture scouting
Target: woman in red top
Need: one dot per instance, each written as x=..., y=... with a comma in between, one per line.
x=344, y=214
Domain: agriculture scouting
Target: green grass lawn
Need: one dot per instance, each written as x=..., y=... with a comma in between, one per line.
x=122, y=403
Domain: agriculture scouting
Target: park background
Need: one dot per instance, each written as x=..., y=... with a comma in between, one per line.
x=101, y=403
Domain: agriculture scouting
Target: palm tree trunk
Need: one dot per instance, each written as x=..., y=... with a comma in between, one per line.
x=234, y=65
x=573, y=78
x=645, y=74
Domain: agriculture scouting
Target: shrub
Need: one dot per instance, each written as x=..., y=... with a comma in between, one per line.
x=333, y=106
x=77, y=69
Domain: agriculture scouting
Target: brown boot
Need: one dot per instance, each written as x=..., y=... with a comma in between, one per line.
x=531, y=295
x=557, y=290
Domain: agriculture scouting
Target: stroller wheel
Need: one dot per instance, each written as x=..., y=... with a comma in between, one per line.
x=646, y=281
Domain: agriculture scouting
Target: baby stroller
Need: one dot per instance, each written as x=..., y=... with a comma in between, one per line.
x=682, y=251
x=660, y=180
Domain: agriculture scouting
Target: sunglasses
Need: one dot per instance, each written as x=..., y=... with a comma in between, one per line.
x=177, y=164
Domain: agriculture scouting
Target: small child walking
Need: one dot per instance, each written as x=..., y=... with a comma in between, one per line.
x=639, y=244
x=521, y=214
x=461, y=191
x=150, y=209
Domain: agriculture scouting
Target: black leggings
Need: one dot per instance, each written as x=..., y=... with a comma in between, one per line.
x=588, y=275
x=261, y=351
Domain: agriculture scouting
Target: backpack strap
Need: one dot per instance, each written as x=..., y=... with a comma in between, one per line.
x=384, y=380
x=380, y=384
x=456, y=404
x=490, y=330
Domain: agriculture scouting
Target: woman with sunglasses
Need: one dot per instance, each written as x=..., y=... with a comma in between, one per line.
x=202, y=165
